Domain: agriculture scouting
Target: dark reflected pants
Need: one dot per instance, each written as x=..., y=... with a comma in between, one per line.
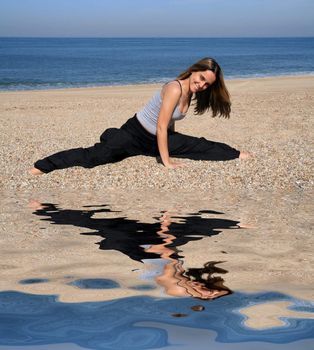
x=132, y=140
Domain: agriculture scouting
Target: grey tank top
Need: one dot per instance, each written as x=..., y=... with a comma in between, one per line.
x=148, y=116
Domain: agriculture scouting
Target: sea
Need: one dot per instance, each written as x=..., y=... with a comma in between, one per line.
x=50, y=63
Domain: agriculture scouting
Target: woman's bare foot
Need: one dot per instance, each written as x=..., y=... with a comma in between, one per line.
x=245, y=155
x=35, y=171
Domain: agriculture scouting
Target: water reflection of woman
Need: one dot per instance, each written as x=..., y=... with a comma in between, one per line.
x=169, y=272
x=178, y=282
x=154, y=244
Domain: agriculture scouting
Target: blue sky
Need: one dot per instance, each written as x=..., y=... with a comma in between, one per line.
x=161, y=18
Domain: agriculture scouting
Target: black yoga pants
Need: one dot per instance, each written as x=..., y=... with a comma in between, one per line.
x=132, y=140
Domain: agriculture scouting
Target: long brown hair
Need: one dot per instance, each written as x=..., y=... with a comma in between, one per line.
x=216, y=97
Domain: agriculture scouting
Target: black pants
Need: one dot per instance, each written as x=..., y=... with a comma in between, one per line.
x=132, y=140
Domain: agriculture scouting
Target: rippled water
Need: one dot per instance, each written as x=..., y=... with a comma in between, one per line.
x=141, y=322
x=120, y=270
x=46, y=63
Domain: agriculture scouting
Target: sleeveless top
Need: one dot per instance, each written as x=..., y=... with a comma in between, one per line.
x=148, y=116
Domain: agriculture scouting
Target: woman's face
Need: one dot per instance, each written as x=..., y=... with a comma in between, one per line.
x=201, y=80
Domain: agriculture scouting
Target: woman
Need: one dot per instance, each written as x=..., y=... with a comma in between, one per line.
x=151, y=131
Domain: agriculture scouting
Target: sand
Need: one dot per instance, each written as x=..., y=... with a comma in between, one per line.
x=271, y=117
x=271, y=193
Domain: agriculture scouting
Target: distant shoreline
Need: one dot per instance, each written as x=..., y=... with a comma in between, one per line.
x=118, y=86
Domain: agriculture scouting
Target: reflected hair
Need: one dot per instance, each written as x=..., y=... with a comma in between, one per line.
x=216, y=97
x=205, y=275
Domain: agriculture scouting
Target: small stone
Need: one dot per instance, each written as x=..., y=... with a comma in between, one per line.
x=179, y=315
x=198, y=307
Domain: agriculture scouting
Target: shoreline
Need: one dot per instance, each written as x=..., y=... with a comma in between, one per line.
x=101, y=87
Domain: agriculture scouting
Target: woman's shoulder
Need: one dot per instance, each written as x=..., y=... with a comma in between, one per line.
x=173, y=88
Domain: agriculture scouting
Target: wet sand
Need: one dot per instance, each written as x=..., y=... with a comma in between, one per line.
x=270, y=194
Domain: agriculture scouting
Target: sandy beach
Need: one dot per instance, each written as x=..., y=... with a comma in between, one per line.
x=135, y=255
x=271, y=193
x=271, y=117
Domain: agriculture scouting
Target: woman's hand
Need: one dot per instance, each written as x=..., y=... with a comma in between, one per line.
x=174, y=165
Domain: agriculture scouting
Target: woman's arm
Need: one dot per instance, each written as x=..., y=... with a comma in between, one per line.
x=171, y=96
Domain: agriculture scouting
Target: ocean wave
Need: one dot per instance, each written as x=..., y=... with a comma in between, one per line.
x=31, y=85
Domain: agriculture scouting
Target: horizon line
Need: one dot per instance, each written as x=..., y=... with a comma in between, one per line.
x=156, y=37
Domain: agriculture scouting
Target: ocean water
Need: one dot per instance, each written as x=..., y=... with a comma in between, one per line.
x=44, y=63
x=149, y=323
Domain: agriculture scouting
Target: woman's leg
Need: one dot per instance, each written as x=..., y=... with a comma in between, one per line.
x=198, y=148
x=115, y=145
